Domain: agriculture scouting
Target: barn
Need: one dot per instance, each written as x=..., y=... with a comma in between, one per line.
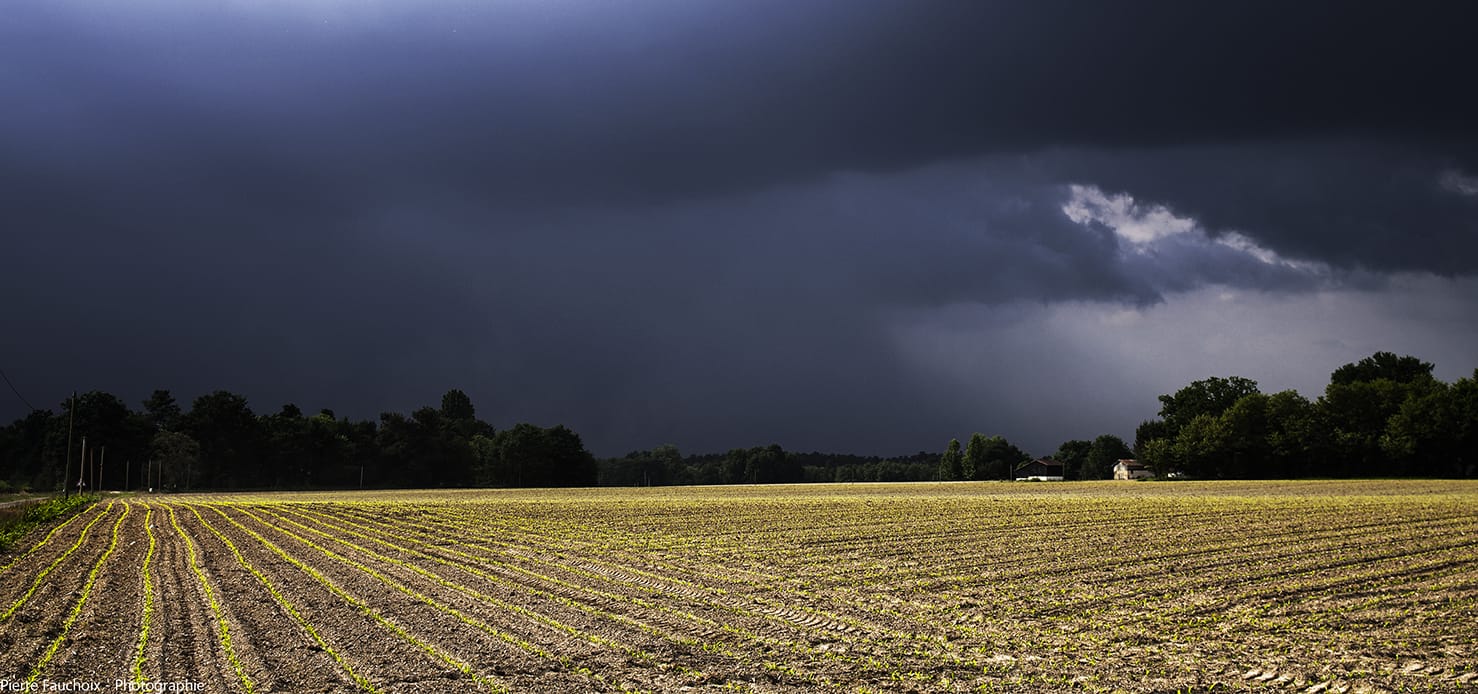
x=1039, y=470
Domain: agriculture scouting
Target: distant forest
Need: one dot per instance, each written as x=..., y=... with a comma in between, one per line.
x=1384, y=416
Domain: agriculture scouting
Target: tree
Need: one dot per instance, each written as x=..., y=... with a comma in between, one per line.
x=287, y=448
x=34, y=451
x=1244, y=430
x=769, y=465
x=1211, y=396
x=1001, y=458
x=488, y=468
x=1101, y=456
x=177, y=455
x=950, y=465
x=456, y=406
x=1198, y=450
x=1464, y=402
x=1147, y=431
x=1360, y=401
x=1297, y=445
x=1435, y=433
x=230, y=438
x=1383, y=365
x=973, y=464
x=107, y=422
x=529, y=456
x=161, y=411
x=1159, y=455
x=669, y=460
x=1073, y=455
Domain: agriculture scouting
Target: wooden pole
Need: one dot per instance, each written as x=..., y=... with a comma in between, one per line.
x=101, y=459
x=67, y=464
x=82, y=466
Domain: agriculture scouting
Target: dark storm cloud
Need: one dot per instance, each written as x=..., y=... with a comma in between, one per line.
x=564, y=102
x=687, y=222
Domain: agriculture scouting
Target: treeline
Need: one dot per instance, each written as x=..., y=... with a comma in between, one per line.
x=220, y=443
x=1384, y=416
x=665, y=465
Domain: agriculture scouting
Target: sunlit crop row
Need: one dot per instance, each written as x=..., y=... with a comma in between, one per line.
x=92, y=578
x=964, y=587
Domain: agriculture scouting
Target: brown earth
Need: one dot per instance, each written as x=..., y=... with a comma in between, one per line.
x=1373, y=587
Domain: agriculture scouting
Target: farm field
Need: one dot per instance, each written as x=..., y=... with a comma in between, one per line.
x=1317, y=586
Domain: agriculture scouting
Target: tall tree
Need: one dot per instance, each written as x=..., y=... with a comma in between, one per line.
x=950, y=464
x=456, y=406
x=973, y=464
x=1360, y=401
x=230, y=438
x=1073, y=455
x=1001, y=458
x=161, y=411
x=1297, y=443
x=1102, y=455
x=1149, y=430
x=287, y=452
x=178, y=456
x=1383, y=365
x=1211, y=396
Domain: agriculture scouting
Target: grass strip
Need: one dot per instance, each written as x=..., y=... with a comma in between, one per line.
x=15, y=526
x=41, y=577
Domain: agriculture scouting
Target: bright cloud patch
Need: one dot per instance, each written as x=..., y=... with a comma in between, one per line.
x=1158, y=236
x=1132, y=222
x=1458, y=182
x=1246, y=245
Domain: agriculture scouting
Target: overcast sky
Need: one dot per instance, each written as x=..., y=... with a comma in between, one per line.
x=860, y=226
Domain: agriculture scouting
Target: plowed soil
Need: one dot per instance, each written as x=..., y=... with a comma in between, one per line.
x=1314, y=587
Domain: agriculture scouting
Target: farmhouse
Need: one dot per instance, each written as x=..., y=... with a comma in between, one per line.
x=1039, y=470
x=1131, y=469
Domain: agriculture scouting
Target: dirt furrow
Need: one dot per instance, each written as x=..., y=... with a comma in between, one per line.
x=281, y=655
x=567, y=634
x=101, y=643
x=372, y=627
x=724, y=651
x=763, y=631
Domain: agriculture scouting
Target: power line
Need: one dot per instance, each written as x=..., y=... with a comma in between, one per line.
x=13, y=390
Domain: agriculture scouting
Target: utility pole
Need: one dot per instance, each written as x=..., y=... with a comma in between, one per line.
x=82, y=466
x=101, y=459
x=67, y=464
x=127, y=472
